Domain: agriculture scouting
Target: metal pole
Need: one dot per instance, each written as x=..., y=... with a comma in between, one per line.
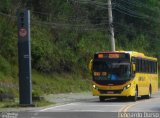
x=24, y=58
x=29, y=4
x=111, y=25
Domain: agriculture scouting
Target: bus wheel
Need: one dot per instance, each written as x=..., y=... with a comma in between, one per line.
x=101, y=98
x=134, y=98
x=150, y=93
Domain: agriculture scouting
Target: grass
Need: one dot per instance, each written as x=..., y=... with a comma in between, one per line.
x=13, y=104
x=43, y=84
x=42, y=103
x=8, y=104
x=59, y=83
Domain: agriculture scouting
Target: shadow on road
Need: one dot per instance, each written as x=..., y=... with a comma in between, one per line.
x=121, y=99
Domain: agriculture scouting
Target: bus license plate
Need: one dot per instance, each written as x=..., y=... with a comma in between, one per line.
x=110, y=92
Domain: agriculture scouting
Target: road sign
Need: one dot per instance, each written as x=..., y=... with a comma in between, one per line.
x=22, y=32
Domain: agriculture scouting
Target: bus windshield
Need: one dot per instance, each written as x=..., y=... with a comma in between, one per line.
x=104, y=70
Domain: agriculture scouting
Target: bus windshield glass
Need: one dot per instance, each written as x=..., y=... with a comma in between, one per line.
x=105, y=70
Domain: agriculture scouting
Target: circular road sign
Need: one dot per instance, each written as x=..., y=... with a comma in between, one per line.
x=22, y=32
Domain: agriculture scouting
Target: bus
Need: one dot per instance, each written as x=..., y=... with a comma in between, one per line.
x=122, y=74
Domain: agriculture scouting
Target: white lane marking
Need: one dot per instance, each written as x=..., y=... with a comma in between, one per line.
x=106, y=105
x=49, y=108
x=55, y=107
x=88, y=104
x=87, y=111
x=78, y=110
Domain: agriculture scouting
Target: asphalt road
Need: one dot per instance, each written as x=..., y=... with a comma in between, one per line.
x=92, y=108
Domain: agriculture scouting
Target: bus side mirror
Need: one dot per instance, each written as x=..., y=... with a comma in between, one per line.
x=90, y=66
x=134, y=68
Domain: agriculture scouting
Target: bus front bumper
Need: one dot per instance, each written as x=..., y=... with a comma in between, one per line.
x=114, y=92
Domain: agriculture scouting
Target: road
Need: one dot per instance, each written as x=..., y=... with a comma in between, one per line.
x=92, y=108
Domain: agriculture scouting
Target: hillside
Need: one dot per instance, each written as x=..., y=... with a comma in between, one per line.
x=66, y=33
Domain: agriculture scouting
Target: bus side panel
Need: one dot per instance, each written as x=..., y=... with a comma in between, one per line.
x=154, y=83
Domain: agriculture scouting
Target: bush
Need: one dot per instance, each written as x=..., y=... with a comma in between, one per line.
x=5, y=67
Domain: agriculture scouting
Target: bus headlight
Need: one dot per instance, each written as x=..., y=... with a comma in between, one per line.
x=126, y=87
x=94, y=86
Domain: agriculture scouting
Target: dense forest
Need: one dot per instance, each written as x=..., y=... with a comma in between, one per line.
x=66, y=33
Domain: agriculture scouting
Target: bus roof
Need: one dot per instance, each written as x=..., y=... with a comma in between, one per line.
x=132, y=53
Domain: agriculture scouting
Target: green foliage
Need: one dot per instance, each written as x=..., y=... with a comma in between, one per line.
x=139, y=22
x=58, y=47
x=8, y=40
x=41, y=50
x=59, y=83
x=42, y=103
x=5, y=5
x=5, y=67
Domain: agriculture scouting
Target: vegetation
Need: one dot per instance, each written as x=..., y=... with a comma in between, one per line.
x=45, y=84
x=59, y=83
x=10, y=104
x=66, y=33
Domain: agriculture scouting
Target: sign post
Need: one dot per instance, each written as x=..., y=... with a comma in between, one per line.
x=24, y=57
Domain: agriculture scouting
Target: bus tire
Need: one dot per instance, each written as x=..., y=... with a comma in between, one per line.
x=135, y=97
x=150, y=93
x=101, y=98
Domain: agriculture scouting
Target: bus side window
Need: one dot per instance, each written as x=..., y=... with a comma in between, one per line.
x=141, y=65
x=133, y=59
x=137, y=66
x=150, y=68
x=144, y=66
x=147, y=66
x=156, y=67
x=153, y=67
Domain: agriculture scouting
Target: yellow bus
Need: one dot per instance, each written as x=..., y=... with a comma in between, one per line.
x=124, y=74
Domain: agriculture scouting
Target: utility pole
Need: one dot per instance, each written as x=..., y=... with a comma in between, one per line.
x=111, y=25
